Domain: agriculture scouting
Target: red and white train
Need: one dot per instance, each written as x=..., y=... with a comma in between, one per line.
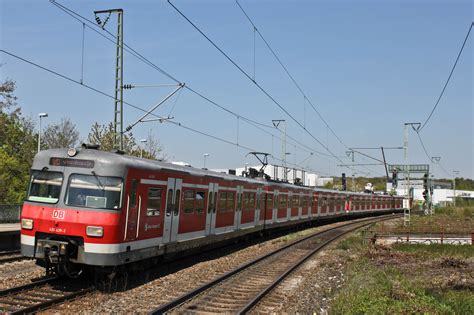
x=94, y=208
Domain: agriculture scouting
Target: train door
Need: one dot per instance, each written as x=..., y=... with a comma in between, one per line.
x=238, y=209
x=211, y=208
x=173, y=201
x=258, y=206
x=151, y=214
x=131, y=215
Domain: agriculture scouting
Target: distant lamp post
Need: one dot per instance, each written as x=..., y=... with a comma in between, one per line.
x=40, y=115
x=205, y=155
x=143, y=141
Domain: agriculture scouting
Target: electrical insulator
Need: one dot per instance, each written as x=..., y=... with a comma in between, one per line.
x=99, y=22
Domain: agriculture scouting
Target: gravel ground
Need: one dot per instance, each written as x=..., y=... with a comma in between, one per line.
x=158, y=291
x=309, y=289
x=19, y=273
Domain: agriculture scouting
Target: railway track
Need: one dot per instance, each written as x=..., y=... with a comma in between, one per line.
x=241, y=289
x=11, y=256
x=40, y=295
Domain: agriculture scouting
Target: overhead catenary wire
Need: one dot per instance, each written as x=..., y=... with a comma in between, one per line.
x=448, y=79
x=264, y=91
x=164, y=119
x=93, y=26
x=288, y=73
x=305, y=97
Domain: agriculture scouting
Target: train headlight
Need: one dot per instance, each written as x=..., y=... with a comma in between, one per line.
x=71, y=152
x=95, y=231
x=27, y=224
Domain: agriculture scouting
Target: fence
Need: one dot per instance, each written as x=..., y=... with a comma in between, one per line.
x=10, y=213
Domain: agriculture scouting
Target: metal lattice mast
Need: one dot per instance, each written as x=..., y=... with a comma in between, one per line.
x=118, y=100
x=118, y=112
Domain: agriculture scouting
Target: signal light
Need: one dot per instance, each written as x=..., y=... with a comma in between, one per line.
x=394, y=178
x=344, y=184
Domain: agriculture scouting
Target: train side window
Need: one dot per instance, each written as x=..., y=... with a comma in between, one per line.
x=230, y=201
x=283, y=201
x=245, y=201
x=169, y=202
x=222, y=201
x=251, y=201
x=154, y=202
x=133, y=193
x=188, y=201
x=269, y=201
x=200, y=196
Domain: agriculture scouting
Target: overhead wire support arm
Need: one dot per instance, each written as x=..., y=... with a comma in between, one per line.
x=180, y=86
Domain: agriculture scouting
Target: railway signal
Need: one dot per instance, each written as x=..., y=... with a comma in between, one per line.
x=344, y=183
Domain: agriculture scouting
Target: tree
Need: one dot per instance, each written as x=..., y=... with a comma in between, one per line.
x=17, y=146
x=151, y=150
x=61, y=135
x=103, y=135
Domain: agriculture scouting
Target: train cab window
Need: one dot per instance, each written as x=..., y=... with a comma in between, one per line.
x=188, y=201
x=222, y=201
x=45, y=186
x=154, y=202
x=200, y=196
x=92, y=191
x=230, y=201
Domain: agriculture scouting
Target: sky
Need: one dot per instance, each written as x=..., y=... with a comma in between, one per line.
x=366, y=66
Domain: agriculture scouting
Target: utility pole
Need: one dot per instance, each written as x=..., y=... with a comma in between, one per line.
x=276, y=123
x=454, y=187
x=118, y=100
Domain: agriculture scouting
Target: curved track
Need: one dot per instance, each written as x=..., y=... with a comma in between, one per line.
x=239, y=290
x=40, y=295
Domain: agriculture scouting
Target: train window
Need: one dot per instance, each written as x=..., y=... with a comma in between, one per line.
x=245, y=201
x=45, y=186
x=169, y=202
x=283, y=201
x=230, y=201
x=200, y=196
x=92, y=191
x=133, y=194
x=269, y=201
x=295, y=201
x=188, y=196
x=222, y=201
x=154, y=202
x=251, y=205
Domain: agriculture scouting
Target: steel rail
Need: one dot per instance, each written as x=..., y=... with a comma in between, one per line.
x=43, y=302
x=301, y=261
x=11, y=256
x=193, y=293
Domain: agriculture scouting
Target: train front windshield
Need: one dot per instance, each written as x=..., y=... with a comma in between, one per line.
x=92, y=191
x=45, y=186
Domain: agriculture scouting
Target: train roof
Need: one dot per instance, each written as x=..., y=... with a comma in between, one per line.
x=116, y=162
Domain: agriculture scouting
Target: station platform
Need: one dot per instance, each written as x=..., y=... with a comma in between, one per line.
x=9, y=227
x=9, y=236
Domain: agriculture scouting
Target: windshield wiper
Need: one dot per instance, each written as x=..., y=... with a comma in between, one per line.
x=98, y=180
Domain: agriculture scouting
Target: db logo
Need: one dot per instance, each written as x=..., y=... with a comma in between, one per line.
x=59, y=214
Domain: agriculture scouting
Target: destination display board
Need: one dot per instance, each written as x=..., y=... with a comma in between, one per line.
x=56, y=161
